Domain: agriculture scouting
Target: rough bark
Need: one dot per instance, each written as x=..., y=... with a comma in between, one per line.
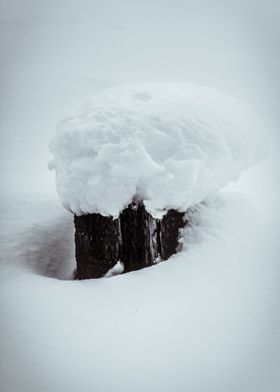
x=97, y=240
x=135, y=238
x=139, y=247
x=171, y=225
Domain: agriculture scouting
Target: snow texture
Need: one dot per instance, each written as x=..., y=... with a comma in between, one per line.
x=208, y=320
x=169, y=144
x=196, y=323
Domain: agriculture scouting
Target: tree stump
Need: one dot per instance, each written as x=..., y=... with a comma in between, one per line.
x=135, y=238
x=171, y=225
x=139, y=246
x=97, y=243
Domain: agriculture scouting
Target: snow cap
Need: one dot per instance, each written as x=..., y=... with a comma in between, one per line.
x=168, y=144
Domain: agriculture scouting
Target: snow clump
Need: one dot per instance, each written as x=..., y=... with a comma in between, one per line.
x=168, y=144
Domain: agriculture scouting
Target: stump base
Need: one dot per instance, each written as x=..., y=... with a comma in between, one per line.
x=136, y=239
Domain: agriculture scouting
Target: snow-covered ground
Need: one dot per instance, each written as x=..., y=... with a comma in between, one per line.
x=204, y=321
x=209, y=319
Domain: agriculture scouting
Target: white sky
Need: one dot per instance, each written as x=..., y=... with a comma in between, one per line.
x=56, y=53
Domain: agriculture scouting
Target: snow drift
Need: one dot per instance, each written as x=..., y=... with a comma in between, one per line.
x=169, y=144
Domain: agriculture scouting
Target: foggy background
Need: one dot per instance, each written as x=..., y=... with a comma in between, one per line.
x=54, y=54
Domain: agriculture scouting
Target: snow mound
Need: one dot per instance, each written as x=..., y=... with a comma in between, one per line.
x=169, y=144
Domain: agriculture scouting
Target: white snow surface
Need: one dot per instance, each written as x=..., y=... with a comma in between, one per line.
x=199, y=322
x=206, y=321
x=169, y=144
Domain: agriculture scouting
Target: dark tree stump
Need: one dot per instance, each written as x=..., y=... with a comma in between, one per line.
x=136, y=239
x=171, y=225
x=97, y=240
x=139, y=237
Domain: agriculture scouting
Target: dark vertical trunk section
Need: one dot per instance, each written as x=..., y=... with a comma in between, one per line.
x=135, y=238
x=97, y=240
x=139, y=231
x=171, y=225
